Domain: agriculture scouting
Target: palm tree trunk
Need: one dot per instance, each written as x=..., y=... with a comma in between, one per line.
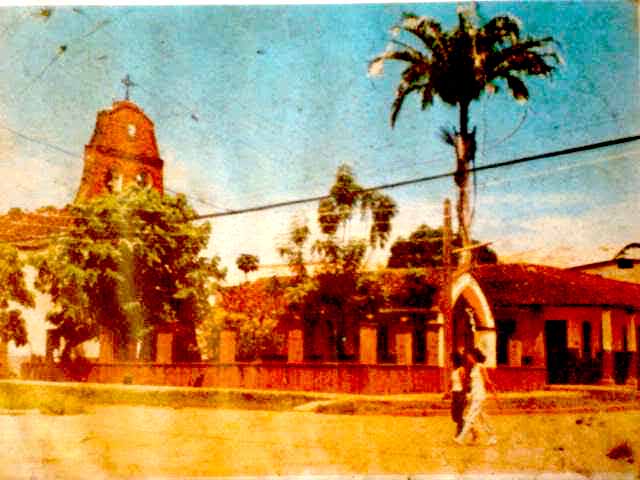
x=465, y=152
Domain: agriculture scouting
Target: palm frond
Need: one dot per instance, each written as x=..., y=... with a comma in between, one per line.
x=401, y=93
x=414, y=78
x=502, y=28
x=406, y=46
x=406, y=15
x=530, y=57
x=428, y=31
x=409, y=56
x=448, y=135
x=416, y=73
x=427, y=96
x=376, y=67
x=465, y=21
x=518, y=88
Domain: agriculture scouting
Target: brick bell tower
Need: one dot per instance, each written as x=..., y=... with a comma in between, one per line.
x=122, y=151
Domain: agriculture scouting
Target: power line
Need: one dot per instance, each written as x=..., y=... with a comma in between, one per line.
x=77, y=156
x=402, y=183
x=380, y=187
x=229, y=211
x=99, y=27
x=40, y=142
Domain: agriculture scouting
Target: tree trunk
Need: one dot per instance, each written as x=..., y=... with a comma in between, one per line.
x=465, y=146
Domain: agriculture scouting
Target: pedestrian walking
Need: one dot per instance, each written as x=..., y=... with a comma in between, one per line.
x=476, y=418
x=458, y=393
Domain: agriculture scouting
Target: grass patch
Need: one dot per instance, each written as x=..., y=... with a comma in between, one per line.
x=58, y=398
x=74, y=398
x=48, y=403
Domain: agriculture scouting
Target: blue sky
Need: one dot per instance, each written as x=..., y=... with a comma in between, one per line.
x=257, y=104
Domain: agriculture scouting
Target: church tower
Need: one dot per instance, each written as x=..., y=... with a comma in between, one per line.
x=122, y=151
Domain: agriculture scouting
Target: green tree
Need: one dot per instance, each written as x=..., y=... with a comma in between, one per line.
x=339, y=252
x=131, y=262
x=247, y=263
x=337, y=294
x=293, y=249
x=458, y=66
x=254, y=311
x=13, y=289
x=424, y=248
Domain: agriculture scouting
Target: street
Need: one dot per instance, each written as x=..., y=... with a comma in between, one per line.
x=137, y=441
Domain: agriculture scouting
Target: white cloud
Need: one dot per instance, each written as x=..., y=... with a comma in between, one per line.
x=550, y=199
x=35, y=181
x=179, y=176
x=565, y=240
x=257, y=233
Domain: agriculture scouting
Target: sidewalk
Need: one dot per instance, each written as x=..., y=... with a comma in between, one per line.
x=556, y=399
x=560, y=399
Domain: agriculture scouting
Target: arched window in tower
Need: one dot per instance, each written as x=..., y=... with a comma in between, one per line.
x=143, y=179
x=131, y=130
x=113, y=181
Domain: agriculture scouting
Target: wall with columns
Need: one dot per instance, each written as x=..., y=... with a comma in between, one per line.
x=575, y=317
x=529, y=332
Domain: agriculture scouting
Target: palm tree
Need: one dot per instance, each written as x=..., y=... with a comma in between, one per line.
x=247, y=263
x=458, y=66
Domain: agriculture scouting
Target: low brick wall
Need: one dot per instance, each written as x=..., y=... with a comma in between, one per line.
x=520, y=379
x=312, y=377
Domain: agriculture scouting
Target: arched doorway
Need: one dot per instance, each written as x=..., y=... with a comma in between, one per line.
x=463, y=319
x=473, y=322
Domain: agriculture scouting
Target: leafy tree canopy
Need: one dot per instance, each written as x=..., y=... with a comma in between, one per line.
x=337, y=249
x=131, y=262
x=341, y=256
x=424, y=248
x=13, y=289
x=254, y=311
x=337, y=293
x=293, y=249
x=247, y=263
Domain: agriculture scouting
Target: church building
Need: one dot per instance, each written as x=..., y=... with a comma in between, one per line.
x=122, y=151
x=537, y=325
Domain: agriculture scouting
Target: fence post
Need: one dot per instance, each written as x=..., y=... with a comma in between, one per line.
x=404, y=342
x=164, y=347
x=4, y=359
x=295, y=341
x=228, y=346
x=607, y=350
x=106, y=354
x=368, y=354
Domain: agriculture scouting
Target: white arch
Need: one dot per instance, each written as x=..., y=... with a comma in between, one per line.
x=467, y=286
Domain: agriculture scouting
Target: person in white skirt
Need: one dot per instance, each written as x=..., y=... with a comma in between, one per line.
x=476, y=417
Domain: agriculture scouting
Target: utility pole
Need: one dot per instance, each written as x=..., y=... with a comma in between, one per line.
x=445, y=303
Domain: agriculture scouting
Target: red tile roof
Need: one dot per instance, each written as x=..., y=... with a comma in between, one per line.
x=33, y=230
x=524, y=284
x=515, y=285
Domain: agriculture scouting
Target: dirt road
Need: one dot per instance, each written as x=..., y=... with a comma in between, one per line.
x=123, y=441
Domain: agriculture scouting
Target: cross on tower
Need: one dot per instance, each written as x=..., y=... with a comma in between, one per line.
x=128, y=83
